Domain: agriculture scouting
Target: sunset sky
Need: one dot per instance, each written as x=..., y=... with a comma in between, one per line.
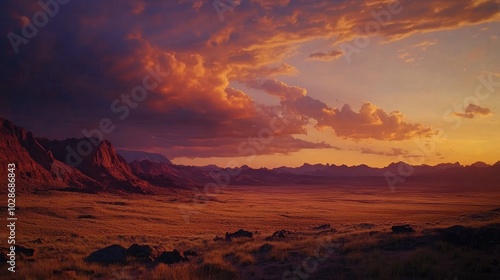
x=265, y=83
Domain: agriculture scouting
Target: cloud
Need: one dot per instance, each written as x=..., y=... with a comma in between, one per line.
x=326, y=56
x=406, y=57
x=234, y=147
x=370, y=122
x=424, y=45
x=86, y=57
x=282, y=90
x=394, y=152
x=373, y=122
x=473, y=110
x=413, y=53
x=252, y=75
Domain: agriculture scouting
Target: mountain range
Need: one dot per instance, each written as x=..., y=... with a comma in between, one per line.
x=43, y=164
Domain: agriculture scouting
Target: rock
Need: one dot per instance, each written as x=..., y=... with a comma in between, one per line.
x=266, y=248
x=322, y=227
x=3, y=258
x=190, y=253
x=238, y=234
x=458, y=235
x=27, y=252
x=218, y=238
x=482, y=238
x=280, y=234
x=402, y=229
x=171, y=257
x=366, y=226
x=145, y=253
x=487, y=236
x=109, y=255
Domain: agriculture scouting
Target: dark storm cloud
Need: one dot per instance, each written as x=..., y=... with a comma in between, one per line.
x=92, y=53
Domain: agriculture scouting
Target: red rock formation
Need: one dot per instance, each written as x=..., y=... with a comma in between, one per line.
x=101, y=163
x=31, y=172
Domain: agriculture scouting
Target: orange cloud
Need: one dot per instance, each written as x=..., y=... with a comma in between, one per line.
x=284, y=91
x=326, y=56
x=195, y=107
x=373, y=122
x=394, y=152
x=370, y=122
x=473, y=110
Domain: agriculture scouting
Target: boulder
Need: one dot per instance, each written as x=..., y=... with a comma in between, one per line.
x=280, y=234
x=109, y=255
x=189, y=253
x=458, y=235
x=171, y=257
x=27, y=252
x=478, y=238
x=402, y=229
x=238, y=234
x=487, y=237
x=145, y=253
x=218, y=238
x=3, y=258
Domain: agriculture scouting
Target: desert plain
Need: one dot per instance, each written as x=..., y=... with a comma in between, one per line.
x=335, y=231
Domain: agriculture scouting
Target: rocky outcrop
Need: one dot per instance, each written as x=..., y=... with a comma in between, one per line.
x=402, y=229
x=24, y=251
x=31, y=171
x=97, y=160
x=145, y=253
x=171, y=257
x=116, y=254
x=279, y=235
x=238, y=234
x=110, y=255
x=477, y=238
x=36, y=166
x=190, y=253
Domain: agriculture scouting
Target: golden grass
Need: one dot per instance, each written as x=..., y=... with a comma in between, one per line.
x=74, y=225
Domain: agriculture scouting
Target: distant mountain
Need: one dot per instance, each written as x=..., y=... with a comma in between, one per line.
x=331, y=170
x=131, y=156
x=480, y=164
x=161, y=174
x=43, y=164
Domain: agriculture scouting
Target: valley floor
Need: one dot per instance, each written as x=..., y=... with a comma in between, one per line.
x=66, y=227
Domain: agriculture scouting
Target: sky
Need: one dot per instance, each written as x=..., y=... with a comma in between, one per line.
x=259, y=82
